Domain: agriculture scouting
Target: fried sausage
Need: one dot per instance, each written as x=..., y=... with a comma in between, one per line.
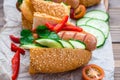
x=85, y=37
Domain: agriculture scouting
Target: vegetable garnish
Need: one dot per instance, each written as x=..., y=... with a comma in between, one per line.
x=60, y=25
x=26, y=37
x=92, y=72
x=15, y=65
x=15, y=48
x=72, y=28
x=63, y=26
x=49, y=26
x=14, y=39
x=44, y=32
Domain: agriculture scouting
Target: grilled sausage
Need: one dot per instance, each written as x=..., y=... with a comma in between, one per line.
x=85, y=37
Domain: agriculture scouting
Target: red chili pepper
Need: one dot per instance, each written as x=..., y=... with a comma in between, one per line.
x=15, y=48
x=60, y=25
x=15, y=65
x=14, y=39
x=49, y=26
x=72, y=28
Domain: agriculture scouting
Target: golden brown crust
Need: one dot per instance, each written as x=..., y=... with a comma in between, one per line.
x=50, y=8
x=54, y=60
x=27, y=10
x=26, y=23
x=89, y=3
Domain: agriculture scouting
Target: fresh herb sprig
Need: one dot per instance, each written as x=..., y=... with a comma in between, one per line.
x=44, y=32
x=26, y=37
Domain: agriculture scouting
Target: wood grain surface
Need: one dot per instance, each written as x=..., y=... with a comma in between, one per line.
x=114, y=11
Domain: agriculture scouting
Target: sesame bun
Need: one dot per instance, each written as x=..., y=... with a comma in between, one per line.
x=51, y=8
x=42, y=18
x=54, y=60
x=28, y=9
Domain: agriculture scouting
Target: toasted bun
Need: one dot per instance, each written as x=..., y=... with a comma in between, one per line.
x=54, y=60
x=42, y=18
x=26, y=24
x=55, y=11
x=51, y=8
x=27, y=10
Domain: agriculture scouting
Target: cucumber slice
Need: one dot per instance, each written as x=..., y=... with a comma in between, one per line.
x=49, y=43
x=28, y=46
x=99, y=24
x=66, y=44
x=77, y=44
x=97, y=14
x=97, y=33
x=82, y=21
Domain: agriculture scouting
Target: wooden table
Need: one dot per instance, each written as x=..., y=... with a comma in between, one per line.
x=114, y=11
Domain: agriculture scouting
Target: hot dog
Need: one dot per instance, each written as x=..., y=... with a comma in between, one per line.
x=85, y=37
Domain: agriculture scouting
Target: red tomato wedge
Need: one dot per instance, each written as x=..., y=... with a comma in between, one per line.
x=92, y=72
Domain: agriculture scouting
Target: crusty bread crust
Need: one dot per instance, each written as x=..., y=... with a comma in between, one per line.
x=55, y=11
x=26, y=24
x=27, y=10
x=54, y=60
x=51, y=8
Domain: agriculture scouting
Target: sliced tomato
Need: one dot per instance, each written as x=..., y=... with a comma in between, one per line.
x=92, y=72
x=77, y=13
